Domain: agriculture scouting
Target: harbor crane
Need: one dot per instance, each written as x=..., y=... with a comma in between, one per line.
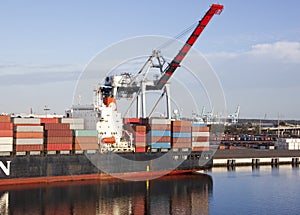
x=126, y=85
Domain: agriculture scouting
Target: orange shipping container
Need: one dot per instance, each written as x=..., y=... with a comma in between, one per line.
x=200, y=149
x=181, y=129
x=52, y=126
x=200, y=139
x=4, y=118
x=86, y=140
x=49, y=120
x=181, y=145
x=6, y=133
x=6, y=126
x=28, y=135
x=54, y=140
x=59, y=133
x=181, y=140
x=200, y=129
x=29, y=147
x=164, y=139
x=181, y=123
x=58, y=147
x=161, y=127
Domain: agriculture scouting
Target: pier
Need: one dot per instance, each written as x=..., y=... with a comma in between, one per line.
x=254, y=157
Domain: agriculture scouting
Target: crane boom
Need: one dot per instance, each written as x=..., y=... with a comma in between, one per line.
x=168, y=72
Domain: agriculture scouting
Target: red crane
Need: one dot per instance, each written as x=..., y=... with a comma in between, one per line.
x=168, y=72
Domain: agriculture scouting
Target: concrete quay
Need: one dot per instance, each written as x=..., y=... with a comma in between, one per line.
x=255, y=157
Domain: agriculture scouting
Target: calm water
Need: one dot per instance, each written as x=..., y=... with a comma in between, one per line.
x=242, y=191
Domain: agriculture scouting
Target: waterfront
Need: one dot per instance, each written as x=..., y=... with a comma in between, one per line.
x=243, y=190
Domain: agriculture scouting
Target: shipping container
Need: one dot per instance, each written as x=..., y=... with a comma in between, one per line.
x=181, y=129
x=158, y=145
x=86, y=140
x=181, y=145
x=6, y=126
x=29, y=147
x=181, y=123
x=161, y=121
x=159, y=133
x=200, y=129
x=28, y=141
x=6, y=133
x=50, y=140
x=200, y=144
x=161, y=127
x=58, y=146
x=159, y=139
x=181, y=134
x=28, y=135
x=86, y=146
x=28, y=121
x=200, y=139
x=56, y=126
x=91, y=133
x=140, y=149
x=4, y=118
x=6, y=147
x=77, y=126
x=200, y=149
x=49, y=120
x=181, y=140
x=6, y=140
x=72, y=120
x=200, y=134
x=20, y=128
x=58, y=133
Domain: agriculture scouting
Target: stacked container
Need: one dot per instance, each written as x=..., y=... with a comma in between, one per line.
x=28, y=135
x=200, y=137
x=58, y=137
x=6, y=135
x=85, y=140
x=159, y=133
x=181, y=134
x=75, y=123
x=139, y=136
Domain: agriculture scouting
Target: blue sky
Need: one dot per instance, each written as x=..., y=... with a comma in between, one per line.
x=253, y=46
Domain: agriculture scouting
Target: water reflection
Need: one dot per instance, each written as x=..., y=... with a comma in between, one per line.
x=187, y=194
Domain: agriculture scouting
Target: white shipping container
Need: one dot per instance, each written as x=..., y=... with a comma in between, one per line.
x=26, y=120
x=26, y=141
x=29, y=128
x=6, y=140
x=291, y=146
x=6, y=147
x=200, y=134
x=159, y=121
x=77, y=126
x=72, y=120
x=200, y=144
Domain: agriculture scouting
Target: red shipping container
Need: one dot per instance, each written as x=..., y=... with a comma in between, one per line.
x=181, y=129
x=59, y=133
x=28, y=135
x=181, y=145
x=6, y=126
x=140, y=149
x=29, y=147
x=86, y=140
x=49, y=120
x=165, y=139
x=181, y=123
x=58, y=147
x=166, y=127
x=54, y=126
x=6, y=133
x=140, y=138
x=200, y=139
x=54, y=140
x=200, y=149
x=200, y=129
x=132, y=120
x=26, y=124
x=5, y=118
x=181, y=140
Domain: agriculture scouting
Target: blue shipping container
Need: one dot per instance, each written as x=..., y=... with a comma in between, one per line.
x=159, y=133
x=160, y=145
x=182, y=134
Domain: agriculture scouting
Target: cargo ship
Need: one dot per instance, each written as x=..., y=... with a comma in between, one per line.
x=95, y=142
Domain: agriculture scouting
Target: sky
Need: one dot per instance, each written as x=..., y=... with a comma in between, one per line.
x=253, y=47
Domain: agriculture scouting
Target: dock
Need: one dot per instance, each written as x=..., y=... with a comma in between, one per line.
x=255, y=157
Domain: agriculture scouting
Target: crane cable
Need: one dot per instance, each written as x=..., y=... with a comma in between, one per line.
x=178, y=36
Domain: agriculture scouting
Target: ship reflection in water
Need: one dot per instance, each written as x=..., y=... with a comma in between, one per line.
x=184, y=194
